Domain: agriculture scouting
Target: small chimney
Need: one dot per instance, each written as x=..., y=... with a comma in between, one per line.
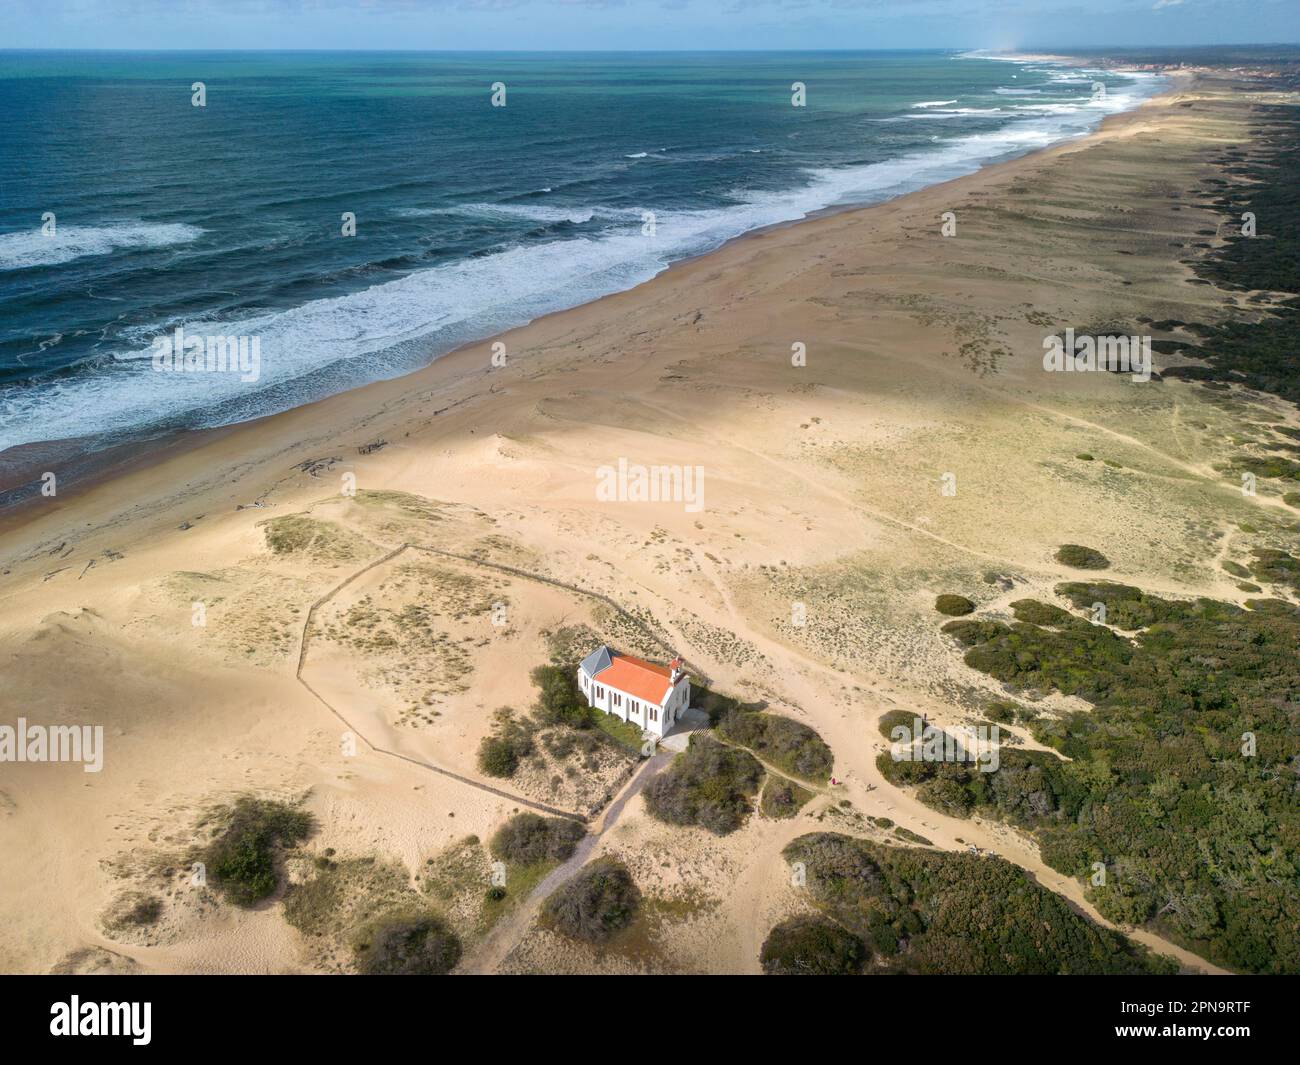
x=676, y=666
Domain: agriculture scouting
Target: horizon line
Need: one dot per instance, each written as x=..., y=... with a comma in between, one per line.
x=1040, y=48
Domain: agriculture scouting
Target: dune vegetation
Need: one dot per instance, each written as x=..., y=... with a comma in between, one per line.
x=709, y=784
x=780, y=741
x=1181, y=781
x=922, y=911
x=812, y=946
x=527, y=839
x=599, y=901
x=244, y=857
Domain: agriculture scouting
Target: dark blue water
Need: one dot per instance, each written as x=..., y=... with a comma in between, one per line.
x=226, y=219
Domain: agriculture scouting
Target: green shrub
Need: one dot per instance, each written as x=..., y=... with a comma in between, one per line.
x=559, y=699
x=497, y=757
x=910, y=836
x=715, y=704
x=787, y=744
x=1081, y=557
x=510, y=743
x=926, y=911
x=1126, y=607
x=1271, y=466
x=1277, y=567
x=708, y=784
x=812, y=946
x=1039, y=613
x=244, y=859
x=596, y=903
x=530, y=838
x=1157, y=787
x=953, y=605
x=408, y=944
x=948, y=791
x=893, y=719
x=782, y=798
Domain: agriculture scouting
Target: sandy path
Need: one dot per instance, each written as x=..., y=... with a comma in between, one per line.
x=870, y=792
x=505, y=936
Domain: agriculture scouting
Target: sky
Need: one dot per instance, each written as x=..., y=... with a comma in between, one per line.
x=642, y=24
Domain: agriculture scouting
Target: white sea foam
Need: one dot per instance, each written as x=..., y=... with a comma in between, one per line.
x=934, y=103
x=31, y=247
x=1047, y=109
x=951, y=112
x=528, y=212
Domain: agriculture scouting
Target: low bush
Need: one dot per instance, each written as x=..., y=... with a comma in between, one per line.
x=500, y=753
x=596, y=903
x=812, y=946
x=497, y=757
x=1039, y=613
x=530, y=838
x=715, y=704
x=782, y=798
x=953, y=605
x=894, y=719
x=559, y=699
x=410, y=944
x=1080, y=557
x=924, y=911
x=1275, y=566
x=787, y=744
x=133, y=910
x=244, y=859
x=708, y=784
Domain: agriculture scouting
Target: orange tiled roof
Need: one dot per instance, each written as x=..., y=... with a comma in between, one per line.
x=638, y=678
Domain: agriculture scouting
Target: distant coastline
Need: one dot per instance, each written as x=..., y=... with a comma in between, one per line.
x=82, y=468
x=830, y=189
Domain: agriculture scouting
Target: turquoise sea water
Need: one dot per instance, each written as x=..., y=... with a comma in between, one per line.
x=226, y=219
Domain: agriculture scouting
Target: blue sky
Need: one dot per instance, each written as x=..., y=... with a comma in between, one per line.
x=643, y=24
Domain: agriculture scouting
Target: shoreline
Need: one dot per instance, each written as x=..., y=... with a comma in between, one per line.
x=19, y=477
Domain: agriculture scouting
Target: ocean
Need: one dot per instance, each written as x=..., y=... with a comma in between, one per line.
x=599, y=172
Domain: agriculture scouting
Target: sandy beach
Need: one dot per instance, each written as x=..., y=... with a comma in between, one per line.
x=805, y=580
